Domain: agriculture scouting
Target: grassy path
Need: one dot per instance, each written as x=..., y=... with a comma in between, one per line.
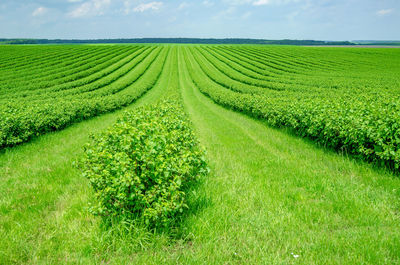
x=269, y=195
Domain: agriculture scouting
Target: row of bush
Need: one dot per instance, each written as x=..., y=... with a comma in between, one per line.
x=94, y=78
x=21, y=120
x=362, y=123
x=63, y=71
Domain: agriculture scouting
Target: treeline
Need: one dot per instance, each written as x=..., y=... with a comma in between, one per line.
x=176, y=40
x=377, y=42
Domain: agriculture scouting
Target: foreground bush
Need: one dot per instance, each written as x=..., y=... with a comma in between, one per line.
x=141, y=167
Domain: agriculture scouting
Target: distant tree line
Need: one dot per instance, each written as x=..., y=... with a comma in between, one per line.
x=176, y=40
x=377, y=42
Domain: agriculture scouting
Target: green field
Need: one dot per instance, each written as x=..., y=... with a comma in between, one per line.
x=302, y=145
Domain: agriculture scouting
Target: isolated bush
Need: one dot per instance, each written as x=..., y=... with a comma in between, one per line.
x=141, y=167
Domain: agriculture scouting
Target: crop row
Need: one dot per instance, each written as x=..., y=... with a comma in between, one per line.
x=18, y=124
x=66, y=70
x=363, y=123
x=61, y=65
x=42, y=59
x=345, y=76
x=92, y=79
x=243, y=76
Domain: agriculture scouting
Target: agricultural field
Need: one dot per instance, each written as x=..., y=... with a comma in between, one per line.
x=199, y=154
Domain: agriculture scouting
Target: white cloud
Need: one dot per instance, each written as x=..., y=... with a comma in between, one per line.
x=90, y=8
x=39, y=11
x=148, y=6
x=237, y=2
x=261, y=2
x=384, y=12
x=275, y=2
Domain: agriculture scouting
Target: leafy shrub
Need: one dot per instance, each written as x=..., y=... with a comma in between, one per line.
x=141, y=167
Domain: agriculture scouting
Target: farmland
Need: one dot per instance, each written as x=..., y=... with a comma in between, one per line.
x=302, y=146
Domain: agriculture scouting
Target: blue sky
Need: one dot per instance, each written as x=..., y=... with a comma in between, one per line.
x=268, y=19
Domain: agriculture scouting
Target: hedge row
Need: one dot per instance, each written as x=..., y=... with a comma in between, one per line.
x=18, y=125
x=366, y=124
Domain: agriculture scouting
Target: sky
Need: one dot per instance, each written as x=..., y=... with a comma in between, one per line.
x=261, y=19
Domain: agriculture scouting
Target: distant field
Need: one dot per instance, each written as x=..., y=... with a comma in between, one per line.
x=303, y=145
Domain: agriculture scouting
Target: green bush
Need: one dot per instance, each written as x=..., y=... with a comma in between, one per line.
x=141, y=167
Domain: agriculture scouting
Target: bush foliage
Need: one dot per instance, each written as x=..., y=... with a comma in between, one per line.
x=141, y=167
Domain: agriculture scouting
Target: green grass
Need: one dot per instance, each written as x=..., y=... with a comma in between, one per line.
x=269, y=194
